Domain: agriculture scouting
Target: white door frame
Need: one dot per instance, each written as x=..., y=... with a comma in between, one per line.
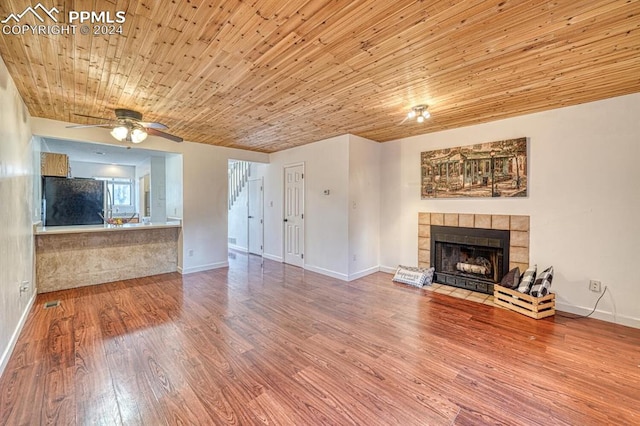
x=284, y=201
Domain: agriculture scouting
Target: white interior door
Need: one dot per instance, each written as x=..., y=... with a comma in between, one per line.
x=255, y=216
x=294, y=215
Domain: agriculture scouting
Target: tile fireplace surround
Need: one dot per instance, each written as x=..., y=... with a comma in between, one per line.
x=517, y=225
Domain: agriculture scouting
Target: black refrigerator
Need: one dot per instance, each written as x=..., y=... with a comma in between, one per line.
x=72, y=201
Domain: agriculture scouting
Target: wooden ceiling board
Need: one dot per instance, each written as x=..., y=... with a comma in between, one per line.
x=269, y=75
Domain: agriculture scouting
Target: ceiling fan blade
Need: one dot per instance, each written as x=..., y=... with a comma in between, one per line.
x=152, y=125
x=155, y=132
x=97, y=118
x=82, y=126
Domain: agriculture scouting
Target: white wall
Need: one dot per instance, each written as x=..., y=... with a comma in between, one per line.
x=173, y=163
x=17, y=213
x=342, y=228
x=83, y=169
x=144, y=169
x=36, y=196
x=325, y=219
x=158, y=189
x=584, y=200
x=364, y=206
x=204, y=227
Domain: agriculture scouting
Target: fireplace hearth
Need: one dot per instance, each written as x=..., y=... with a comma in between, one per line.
x=470, y=258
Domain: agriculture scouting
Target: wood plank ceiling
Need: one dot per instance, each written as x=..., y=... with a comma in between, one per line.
x=268, y=75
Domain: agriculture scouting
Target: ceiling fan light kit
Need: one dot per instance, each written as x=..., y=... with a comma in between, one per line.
x=120, y=133
x=138, y=135
x=129, y=133
x=129, y=127
x=419, y=112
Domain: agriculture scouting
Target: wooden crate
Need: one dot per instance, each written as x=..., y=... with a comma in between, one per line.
x=534, y=307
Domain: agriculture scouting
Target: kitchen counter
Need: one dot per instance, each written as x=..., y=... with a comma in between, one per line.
x=77, y=256
x=78, y=229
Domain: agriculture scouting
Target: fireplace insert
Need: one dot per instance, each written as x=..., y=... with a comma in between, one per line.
x=470, y=258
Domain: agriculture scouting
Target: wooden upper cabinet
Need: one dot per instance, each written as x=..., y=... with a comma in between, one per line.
x=52, y=164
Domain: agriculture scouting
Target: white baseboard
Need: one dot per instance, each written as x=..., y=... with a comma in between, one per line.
x=191, y=270
x=601, y=315
x=272, y=257
x=364, y=273
x=16, y=333
x=327, y=272
x=388, y=269
x=238, y=248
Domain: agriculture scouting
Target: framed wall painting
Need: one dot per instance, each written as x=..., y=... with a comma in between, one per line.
x=492, y=169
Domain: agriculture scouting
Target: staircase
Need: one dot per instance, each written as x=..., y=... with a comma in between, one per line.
x=238, y=177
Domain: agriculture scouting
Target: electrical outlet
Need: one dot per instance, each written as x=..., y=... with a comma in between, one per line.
x=595, y=286
x=354, y=257
x=190, y=252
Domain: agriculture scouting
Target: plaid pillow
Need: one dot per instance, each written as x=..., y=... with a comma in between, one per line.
x=543, y=282
x=428, y=276
x=414, y=276
x=512, y=279
x=528, y=278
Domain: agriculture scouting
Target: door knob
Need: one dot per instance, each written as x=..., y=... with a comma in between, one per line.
x=286, y=220
x=250, y=217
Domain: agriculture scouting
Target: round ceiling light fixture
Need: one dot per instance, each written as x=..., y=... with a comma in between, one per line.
x=419, y=112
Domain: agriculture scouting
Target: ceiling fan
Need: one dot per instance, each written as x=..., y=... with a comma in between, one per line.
x=128, y=126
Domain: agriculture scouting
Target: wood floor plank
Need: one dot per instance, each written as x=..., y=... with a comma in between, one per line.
x=267, y=343
x=270, y=412
x=22, y=381
x=96, y=399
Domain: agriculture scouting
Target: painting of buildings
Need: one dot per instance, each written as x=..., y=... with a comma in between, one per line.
x=492, y=169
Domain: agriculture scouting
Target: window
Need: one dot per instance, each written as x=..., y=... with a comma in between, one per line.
x=120, y=191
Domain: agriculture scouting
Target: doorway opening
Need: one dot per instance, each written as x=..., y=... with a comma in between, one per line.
x=246, y=207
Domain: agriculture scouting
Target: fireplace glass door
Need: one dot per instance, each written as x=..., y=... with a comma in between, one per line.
x=470, y=258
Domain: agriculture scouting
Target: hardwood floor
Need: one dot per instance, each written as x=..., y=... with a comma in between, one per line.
x=280, y=345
